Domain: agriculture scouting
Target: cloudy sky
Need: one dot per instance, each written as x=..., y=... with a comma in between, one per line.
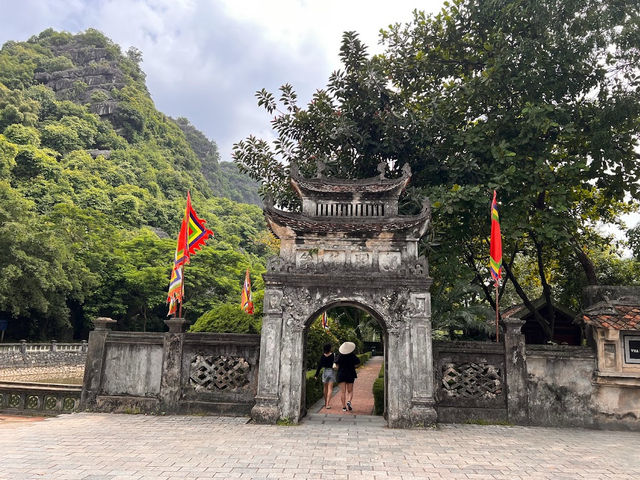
x=204, y=59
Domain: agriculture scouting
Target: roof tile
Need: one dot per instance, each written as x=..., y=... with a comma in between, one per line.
x=626, y=316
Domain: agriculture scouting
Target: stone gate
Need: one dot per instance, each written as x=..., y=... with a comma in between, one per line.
x=348, y=246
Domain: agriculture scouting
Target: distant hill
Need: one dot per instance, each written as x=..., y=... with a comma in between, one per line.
x=224, y=178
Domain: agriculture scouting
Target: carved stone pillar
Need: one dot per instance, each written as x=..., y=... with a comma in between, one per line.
x=516, y=371
x=170, y=381
x=266, y=409
x=291, y=372
x=93, y=363
x=423, y=412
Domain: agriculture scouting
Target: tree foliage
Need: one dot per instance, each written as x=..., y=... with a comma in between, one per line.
x=538, y=99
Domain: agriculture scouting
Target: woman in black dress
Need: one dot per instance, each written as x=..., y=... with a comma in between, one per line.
x=347, y=362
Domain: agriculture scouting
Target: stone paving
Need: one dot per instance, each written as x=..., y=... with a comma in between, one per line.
x=108, y=446
x=362, y=392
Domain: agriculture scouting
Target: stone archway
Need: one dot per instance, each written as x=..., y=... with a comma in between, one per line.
x=350, y=246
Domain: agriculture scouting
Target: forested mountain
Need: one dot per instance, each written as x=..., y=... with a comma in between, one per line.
x=223, y=177
x=93, y=181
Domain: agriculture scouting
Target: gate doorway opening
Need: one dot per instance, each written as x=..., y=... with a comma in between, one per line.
x=333, y=326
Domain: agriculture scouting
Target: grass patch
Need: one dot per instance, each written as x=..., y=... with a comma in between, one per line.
x=482, y=421
x=286, y=422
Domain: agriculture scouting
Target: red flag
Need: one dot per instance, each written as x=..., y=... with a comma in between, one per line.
x=495, y=261
x=246, y=300
x=325, y=320
x=193, y=234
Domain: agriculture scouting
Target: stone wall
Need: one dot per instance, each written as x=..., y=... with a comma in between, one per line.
x=470, y=381
x=560, y=385
x=25, y=355
x=546, y=385
x=170, y=372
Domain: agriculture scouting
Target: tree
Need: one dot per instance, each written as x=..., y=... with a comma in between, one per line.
x=535, y=98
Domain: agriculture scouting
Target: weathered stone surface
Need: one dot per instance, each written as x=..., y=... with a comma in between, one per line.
x=156, y=372
x=41, y=359
x=516, y=371
x=349, y=246
x=560, y=387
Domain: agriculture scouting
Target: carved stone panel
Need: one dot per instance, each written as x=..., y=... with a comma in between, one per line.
x=219, y=373
x=389, y=261
x=334, y=258
x=471, y=380
x=362, y=260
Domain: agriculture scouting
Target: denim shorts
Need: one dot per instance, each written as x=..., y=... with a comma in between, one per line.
x=328, y=375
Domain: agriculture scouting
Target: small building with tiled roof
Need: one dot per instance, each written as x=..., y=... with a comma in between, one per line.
x=614, y=323
x=565, y=331
x=616, y=326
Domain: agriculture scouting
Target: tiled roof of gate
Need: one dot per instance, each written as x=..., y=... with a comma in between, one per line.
x=379, y=185
x=302, y=223
x=620, y=314
x=374, y=185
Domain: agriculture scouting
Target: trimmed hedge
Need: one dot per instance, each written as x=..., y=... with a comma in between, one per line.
x=314, y=389
x=378, y=393
x=364, y=358
x=378, y=396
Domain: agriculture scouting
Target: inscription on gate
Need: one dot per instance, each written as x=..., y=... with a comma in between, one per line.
x=219, y=373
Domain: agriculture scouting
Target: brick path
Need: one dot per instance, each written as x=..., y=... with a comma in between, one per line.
x=362, y=391
x=103, y=446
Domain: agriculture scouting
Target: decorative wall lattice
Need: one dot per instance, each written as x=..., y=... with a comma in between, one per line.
x=471, y=380
x=219, y=373
x=16, y=396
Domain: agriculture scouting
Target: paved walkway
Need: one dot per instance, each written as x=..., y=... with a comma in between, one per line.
x=104, y=446
x=362, y=402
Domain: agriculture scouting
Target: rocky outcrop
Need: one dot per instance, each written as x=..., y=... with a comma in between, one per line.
x=93, y=79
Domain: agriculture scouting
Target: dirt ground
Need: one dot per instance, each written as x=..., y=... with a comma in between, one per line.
x=71, y=374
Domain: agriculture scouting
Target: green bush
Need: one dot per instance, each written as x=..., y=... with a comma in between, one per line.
x=314, y=389
x=364, y=357
x=378, y=396
x=61, y=138
x=378, y=393
x=316, y=338
x=346, y=334
x=226, y=318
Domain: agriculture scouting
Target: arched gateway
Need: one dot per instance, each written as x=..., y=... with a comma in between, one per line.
x=348, y=246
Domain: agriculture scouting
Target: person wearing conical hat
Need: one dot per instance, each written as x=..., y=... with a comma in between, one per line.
x=347, y=360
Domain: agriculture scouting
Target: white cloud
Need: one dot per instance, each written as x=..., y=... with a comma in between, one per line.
x=205, y=59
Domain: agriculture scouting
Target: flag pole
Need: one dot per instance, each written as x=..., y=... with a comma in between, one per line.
x=497, y=313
